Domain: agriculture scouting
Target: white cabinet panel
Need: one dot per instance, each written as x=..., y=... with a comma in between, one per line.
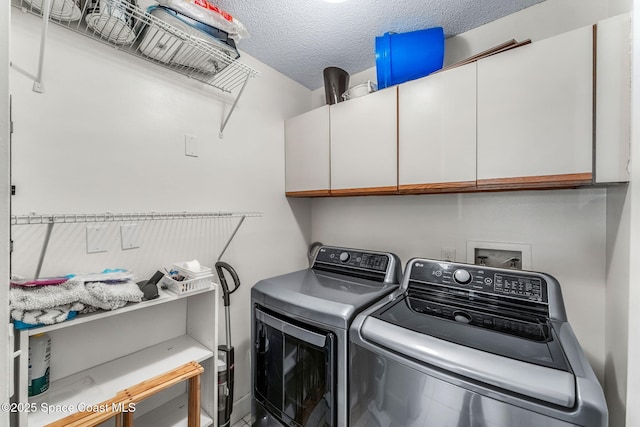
x=613, y=99
x=535, y=110
x=364, y=147
x=437, y=131
x=307, y=152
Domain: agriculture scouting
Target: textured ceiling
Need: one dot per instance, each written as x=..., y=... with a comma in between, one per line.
x=300, y=38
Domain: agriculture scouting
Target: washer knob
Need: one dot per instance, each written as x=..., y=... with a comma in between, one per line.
x=462, y=276
x=344, y=256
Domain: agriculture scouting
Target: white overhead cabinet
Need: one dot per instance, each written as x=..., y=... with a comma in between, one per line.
x=437, y=132
x=364, y=144
x=613, y=99
x=535, y=113
x=521, y=119
x=307, y=154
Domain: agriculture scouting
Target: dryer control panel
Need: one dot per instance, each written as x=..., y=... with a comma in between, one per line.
x=381, y=267
x=353, y=258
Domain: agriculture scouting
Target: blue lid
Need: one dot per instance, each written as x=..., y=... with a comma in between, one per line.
x=383, y=61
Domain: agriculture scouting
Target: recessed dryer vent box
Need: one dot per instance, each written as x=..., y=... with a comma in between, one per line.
x=501, y=255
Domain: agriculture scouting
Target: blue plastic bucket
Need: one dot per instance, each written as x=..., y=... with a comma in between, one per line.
x=406, y=56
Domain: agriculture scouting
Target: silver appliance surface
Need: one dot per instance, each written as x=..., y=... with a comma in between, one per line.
x=325, y=297
x=467, y=345
x=309, y=312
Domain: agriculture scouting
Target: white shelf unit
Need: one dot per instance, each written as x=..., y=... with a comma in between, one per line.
x=165, y=297
x=139, y=33
x=198, y=342
x=172, y=414
x=95, y=355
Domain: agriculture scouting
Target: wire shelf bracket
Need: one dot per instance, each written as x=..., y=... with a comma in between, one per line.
x=233, y=106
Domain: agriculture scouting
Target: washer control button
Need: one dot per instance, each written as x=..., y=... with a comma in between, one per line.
x=344, y=256
x=462, y=276
x=462, y=317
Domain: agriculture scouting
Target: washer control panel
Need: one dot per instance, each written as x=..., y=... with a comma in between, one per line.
x=499, y=282
x=535, y=331
x=353, y=258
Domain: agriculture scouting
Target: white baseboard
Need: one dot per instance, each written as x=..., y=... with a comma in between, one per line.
x=241, y=408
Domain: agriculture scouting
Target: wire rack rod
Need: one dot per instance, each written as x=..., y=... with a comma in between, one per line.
x=33, y=218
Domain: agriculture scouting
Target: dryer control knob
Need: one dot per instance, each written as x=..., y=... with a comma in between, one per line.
x=462, y=276
x=344, y=256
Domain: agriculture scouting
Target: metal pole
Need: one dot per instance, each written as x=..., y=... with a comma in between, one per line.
x=231, y=238
x=233, y=106
x=43, y=252
x=38, y=85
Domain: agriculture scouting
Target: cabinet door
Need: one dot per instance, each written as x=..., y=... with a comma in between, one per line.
x=535, y=113
x=307, y=154
x=364, y=144
x=437, y=131
x=613, y=99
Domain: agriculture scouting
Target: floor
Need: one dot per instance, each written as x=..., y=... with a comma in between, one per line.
x=245, y=422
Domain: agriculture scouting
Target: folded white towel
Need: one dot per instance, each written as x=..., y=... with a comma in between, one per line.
x=46, y=316
x=111, y=296
x=52, y=304
x=43, y=297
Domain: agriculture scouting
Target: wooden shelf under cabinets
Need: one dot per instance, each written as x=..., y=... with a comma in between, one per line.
x=437, y=187
x=544, y=182
x=536, y=182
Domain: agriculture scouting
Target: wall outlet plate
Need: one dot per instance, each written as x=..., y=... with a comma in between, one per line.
x=96, y=239
x=499, y=254
x=190, y=145
x=129, y=236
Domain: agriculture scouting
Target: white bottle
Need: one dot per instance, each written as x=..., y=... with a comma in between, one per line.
x=39, y=359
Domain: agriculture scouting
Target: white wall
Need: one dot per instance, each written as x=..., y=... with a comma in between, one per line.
x=617, y=298
x=565, y=228
x=108, y=136
x=633, y=378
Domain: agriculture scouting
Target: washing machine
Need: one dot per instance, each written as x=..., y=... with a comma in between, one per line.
x=463, y=345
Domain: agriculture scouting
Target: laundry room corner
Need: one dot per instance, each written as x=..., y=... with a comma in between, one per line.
x=108, y=135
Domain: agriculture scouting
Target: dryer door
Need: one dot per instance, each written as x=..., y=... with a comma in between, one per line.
x=295, y=375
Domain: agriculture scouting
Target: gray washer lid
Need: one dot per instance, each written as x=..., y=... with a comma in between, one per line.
x=326, y=298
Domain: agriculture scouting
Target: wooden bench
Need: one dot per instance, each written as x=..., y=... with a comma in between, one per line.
x=118, y=406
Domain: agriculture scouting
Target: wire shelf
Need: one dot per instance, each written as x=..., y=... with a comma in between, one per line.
x=34, y=218
x=128, y=28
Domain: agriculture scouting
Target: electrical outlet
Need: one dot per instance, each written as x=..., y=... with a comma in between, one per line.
x=448, y=254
